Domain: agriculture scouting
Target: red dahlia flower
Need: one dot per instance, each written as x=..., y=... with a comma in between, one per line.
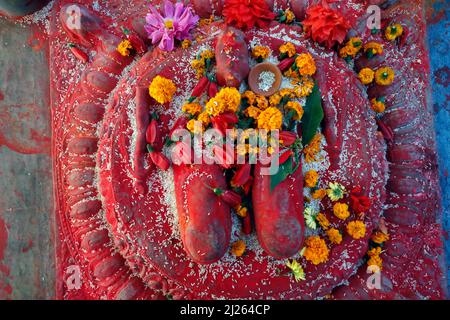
x=245, y=14
x=325, y=25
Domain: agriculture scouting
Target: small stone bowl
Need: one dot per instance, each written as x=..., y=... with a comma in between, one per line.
x=257, y=85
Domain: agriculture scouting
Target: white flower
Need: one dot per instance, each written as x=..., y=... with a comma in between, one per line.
x=310, y=218
x=297, y=270
x=336, y=191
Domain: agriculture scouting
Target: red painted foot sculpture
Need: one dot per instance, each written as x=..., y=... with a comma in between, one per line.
x=167, y=128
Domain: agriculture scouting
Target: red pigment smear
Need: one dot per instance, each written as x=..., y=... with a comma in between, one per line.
x=3, y=239
x=37, y=41
x=2, y=96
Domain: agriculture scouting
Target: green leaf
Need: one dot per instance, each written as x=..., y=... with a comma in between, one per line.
x=283, y=172
x=313, y=115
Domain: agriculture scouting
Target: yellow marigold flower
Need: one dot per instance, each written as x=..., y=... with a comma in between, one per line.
x=355, y=42
x=304, y=87
x=313, y=148
x=230, y=98
x=206, y=22
x=384, y=76
x=262, y=102
x=323, y=221
x=293, y=74
x=336, y=191
x=252, y=112
x=347, y=51
x=241, y=211
x=393, y=31
x=199, y=66
x=356, y=229
x=297, y=270
x=186, y=43
x=316, y=250
x=374, y=252
x=162, y=89
x=334, y=236
x=379, y=237
x=238, y=248
x=288, y=49
x=340, y=210
x=214, y=107
x=270, y=119
x=290, y=16
x=375, y=261
x=311, y=178
x=366, y=75
x=260, y=52
x=204, y=118
x=373, y=48
x=124, y=48
x=297, y=109
x=207, y=54
x=275, y=100
x=287, y=92
x=250, y=96
x=377, y=106
x=319, y=194
x=192, y=108
x=306, y=65
x=194, y=126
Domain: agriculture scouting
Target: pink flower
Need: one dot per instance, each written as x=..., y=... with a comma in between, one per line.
x=176, y=23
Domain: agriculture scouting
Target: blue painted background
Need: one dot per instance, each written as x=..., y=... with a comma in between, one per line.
x=439, y=42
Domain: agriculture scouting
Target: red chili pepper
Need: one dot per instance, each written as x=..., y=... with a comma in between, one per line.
x=403, y=37
x=179, y=124
x=286, y=63
x=247, y=225
x=285, y=156
x=212, y=89
x=242, y=175
x=182, y=153
x=200, y=87
x=288, y=138
x=152, y=133
x=224, y=121
x=224, y=156
x=160, y=160
x=78, y=53
x=247, y=186
x=137, y=43
x=228, y=196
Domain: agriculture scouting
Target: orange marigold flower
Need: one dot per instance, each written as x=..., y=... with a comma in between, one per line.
x=194, y=126
x=241, y=211
x=296, y=108
x=262, y=102
x=319, y=194
x=366, y=75
x=340, y=210
x=238, y=248
x=124, y=48
x=186, y=43
x=311, y=178
x=260, y=52
x=373, y=48
x=204, y=118
x=288, y=49
x=323, y=221
x=379, y=237
x=334, y=236
x=305, y=64
x=252, y=112
x=356, y=229
x=275, y=100
x=192, y=108
x=393, y=32
x=270, y=119
x=375, y=261
x=290, y=16
x=162, y=89
x=377, y=106
x=250, y=96
x=313, y=148
x=384, y=76
x=374, y=252
x=316, y=250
